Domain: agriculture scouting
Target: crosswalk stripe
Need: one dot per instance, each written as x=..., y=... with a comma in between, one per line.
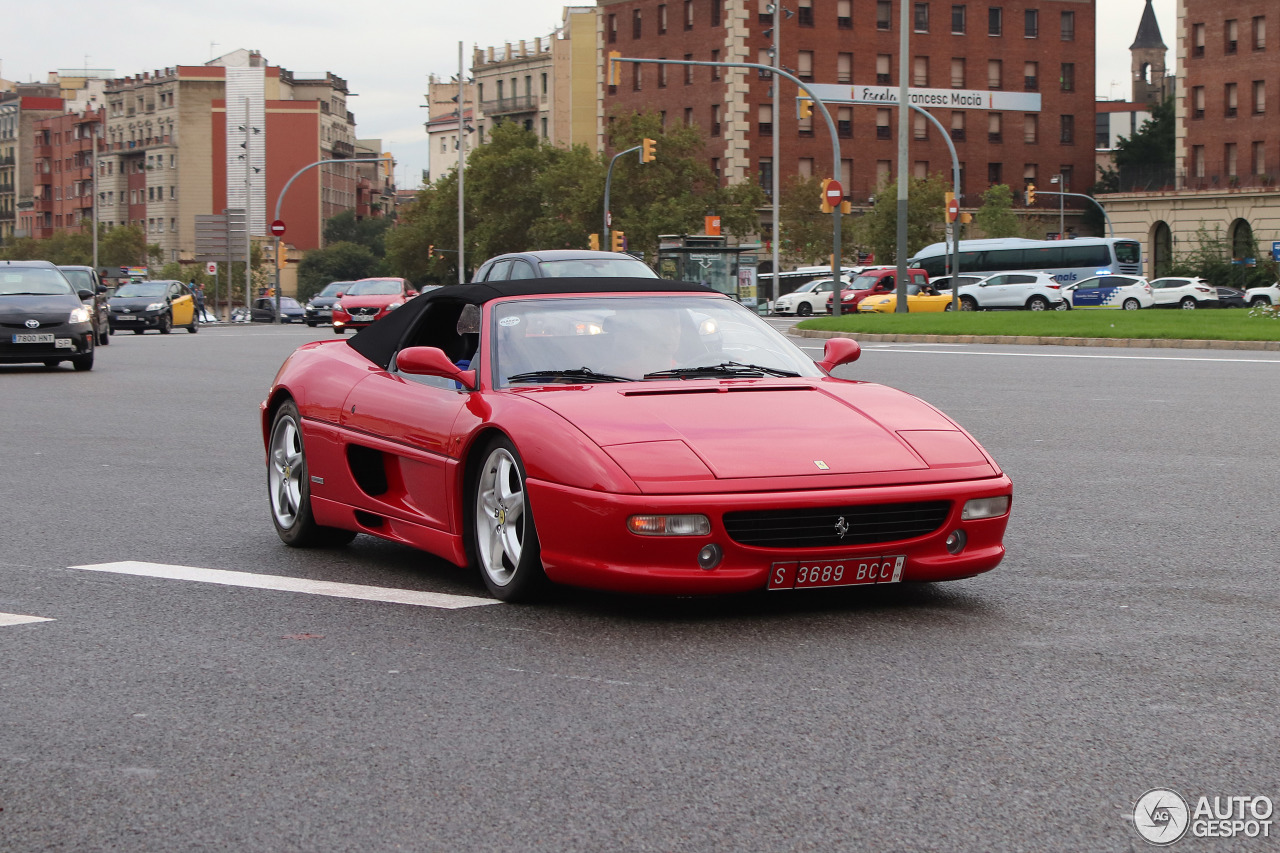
x=18, y=619
x=288, y=584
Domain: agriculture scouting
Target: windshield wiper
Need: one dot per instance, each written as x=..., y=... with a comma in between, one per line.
x=729, y=368
x=579, y=374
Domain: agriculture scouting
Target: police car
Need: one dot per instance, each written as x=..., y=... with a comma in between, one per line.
x=1124, y=292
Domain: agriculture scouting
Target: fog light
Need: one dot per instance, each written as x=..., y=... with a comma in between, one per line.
x=710, y=556
x=955, y=542
x=669, y=525
x=985, y=508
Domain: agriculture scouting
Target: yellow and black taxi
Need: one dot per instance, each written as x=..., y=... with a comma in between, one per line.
x=42, y=317
x=160, y=304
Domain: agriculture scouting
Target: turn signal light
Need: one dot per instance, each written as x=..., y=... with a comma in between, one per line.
x=985, y=508
x=669, y=525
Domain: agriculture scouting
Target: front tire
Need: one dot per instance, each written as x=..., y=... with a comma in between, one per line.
x=1037, y=303
x=968, y=303
x=1131, y=305
x=166, y=324
x=1187, y=304
x=804, y=309
x=338, y=330
x=504, y=537
x=290, y=485
x=1259, y=302
x=138, y=331
x=949, y=307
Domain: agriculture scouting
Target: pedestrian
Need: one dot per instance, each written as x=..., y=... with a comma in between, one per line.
x=197, y=291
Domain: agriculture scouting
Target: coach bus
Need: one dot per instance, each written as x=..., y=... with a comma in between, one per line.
x=1065, y=260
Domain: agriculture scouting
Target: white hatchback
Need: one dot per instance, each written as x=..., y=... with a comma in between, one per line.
x=807, y=298
x=1178, y=292
x=1126, y=292
x=1258, y=296
x=1035, y=291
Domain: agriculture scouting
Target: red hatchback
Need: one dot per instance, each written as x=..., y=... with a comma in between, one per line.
x=871, y=282
x=367, y=300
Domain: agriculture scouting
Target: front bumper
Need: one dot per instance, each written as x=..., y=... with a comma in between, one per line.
x=585, y=541
x=136, y=320
x=318, y=315
x=69, y=340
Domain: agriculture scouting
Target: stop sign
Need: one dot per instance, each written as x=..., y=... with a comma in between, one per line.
x=953, y=210
x=834, y=193
x=277, y=228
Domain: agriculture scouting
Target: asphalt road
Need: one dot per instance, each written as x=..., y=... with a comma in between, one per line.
x=1129, y=640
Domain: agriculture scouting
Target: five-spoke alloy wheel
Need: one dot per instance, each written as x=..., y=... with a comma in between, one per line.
x=290, y=485
x=504, y=537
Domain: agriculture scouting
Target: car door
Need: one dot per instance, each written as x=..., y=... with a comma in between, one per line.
x=181, y=306
x=1168, y=291
x=996, y=292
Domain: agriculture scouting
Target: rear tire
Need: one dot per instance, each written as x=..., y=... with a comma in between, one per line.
x=289, y=485
x=338, y=330
x=968, y=303
x=1188, y=304
x=138, y=331
x=949, y=307
x=504, y=538
x=1259, y=302
x=1037, y=303
x=1131, y=305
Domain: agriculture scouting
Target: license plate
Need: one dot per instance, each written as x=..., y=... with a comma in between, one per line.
x=33, y=339
x=63, y=343
x=126, y=318
x=843, y=571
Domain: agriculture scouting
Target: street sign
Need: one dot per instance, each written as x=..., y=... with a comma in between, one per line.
x=1275, y=251
x=834, y=193
x=608, y=218
x=277, y=228
x=952, y=99
x=211, y=268
x=953, y=210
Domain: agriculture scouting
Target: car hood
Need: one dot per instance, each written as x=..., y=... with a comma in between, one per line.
x=370, y=301
x=323, y=301
x=133, y=303
x=46, y=309
x=700, y=432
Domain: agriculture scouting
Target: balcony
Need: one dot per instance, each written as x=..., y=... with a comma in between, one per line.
x=510, y=106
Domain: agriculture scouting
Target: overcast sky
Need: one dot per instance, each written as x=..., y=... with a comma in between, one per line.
x=384, y=50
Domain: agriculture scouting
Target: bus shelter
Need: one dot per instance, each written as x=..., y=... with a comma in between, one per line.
x=708, y=260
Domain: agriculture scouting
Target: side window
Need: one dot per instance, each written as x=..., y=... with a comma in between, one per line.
x=886, y=283
x=499, y=271
x=1022, y=279
x=520, y=269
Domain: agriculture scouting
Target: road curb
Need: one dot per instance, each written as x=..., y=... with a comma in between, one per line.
x=1043, y=340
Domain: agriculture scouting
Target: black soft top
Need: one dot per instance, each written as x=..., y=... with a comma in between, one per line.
x=379, y=341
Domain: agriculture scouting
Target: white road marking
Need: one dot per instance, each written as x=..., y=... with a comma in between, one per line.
x=902, y=348
x=16, y=619
x=287, y=584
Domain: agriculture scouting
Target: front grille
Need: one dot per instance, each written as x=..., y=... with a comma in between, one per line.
x=820, y=527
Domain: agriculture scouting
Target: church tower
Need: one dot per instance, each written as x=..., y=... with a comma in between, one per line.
x=1148, y=51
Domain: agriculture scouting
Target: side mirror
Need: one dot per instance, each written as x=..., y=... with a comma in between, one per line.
x=431, y=361
x=84, y=293
x=413, y=293
x=340, y=295
x=839, y=351
x=102, y=288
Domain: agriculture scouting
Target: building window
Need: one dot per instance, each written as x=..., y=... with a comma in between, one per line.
x=1259, y=97
x=764, y=119
x=1031, y=128
x=1067, y=133
x=544, y=82
x=662, y=75
x=1230, y=100
x=804, y=65
x=995, y=74
x=994, y=174
x=844, y=14
x=715, y=119
x=1197, y=102
x=613, y=37
x=920, y=71
x=804, y=13
x=957, y=125
x=764, y=57
x=688, y=116
x=883, y=131
x=958, y=20
x=715, y=22
x=844, y=68
x=995, y=21
x=1031, y=76
x=884, y=15
x=1197, y=161
x=883, y=63
x=804, y=167
x=662, y=18
x=1031, y=27
x=1197, y=40
x=688, y=70
x=844, y=122
x=688, y=14
x=1068, y=26
x=715, y=167
x=920, y=170
x=766, y=175
x=920, y=18
x=1260, y=33
x=715, y=69
x=636, y=29
x=1068, y=79
x=957, y=73
x=1231, y=32
x=1229, y=159
x=919, y=127
x=884, y=172
x=636, y=77
x=995, y=127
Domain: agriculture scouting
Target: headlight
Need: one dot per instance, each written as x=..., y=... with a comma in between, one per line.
x=156, y=306
x=669, y=525
x=79, y=315
x=394, y=305
x=337, y=306
x=985, y=508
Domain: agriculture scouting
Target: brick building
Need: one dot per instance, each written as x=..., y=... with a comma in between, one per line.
x=20, y=110
x=62, y=197
x=1044, y=46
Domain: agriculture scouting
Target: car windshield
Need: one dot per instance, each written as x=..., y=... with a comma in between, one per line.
x=864, y=282
x=80, y=279
x=32, y=281
x=807, y=288
x=143, y=288
x=334, y=288
x=289, y=302
x=376, y=287
x=616, y=338
x=597, y=267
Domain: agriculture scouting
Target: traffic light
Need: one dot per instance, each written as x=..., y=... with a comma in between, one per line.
x=614, y=72
x=388, y=165
x=595, y=242
x=431, y=251
x=1030, y=194
x=826, y=205
x=647, y=154
x=846, y=207
x=618, y=241
x=805, y=108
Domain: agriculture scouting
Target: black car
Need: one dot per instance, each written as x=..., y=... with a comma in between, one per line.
x=87, y=278
x=160, y=304
x=1229, y=297
x=563, y=263
x=264, y=310
x=42, y=317
x=319, y=308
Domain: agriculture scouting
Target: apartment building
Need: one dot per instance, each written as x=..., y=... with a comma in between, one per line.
x=20, y=110
x=1044, y=47
x=63, y=160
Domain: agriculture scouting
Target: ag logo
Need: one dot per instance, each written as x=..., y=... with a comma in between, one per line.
x=1161, y=816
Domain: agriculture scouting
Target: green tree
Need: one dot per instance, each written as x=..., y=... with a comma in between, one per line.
x=124, y=246
x=806, y=233
x=1153, y=143
x=1210, y=257
x=996, y=217
x=926, y=199
x=339, y=262
x=345, y=228
x=423, y=245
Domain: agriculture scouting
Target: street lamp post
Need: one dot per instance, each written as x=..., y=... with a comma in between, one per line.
x=608, y=184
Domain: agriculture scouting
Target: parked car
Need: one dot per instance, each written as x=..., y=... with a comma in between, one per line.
x=808, y=298
x=878, y=280
x=264, y=310
x=1187, y=293
x=1034, y=291
x=1269, y=295
x=921, y=298
x=1126, y=292
x=578, y=447
x=369, y=299
x=161, y=305
x=44, y=318
x=1230, y=297
x=88, y=278
x=563, y=263
x=319, y=308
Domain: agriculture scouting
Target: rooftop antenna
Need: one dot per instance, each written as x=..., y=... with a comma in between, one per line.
x=213, y=49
